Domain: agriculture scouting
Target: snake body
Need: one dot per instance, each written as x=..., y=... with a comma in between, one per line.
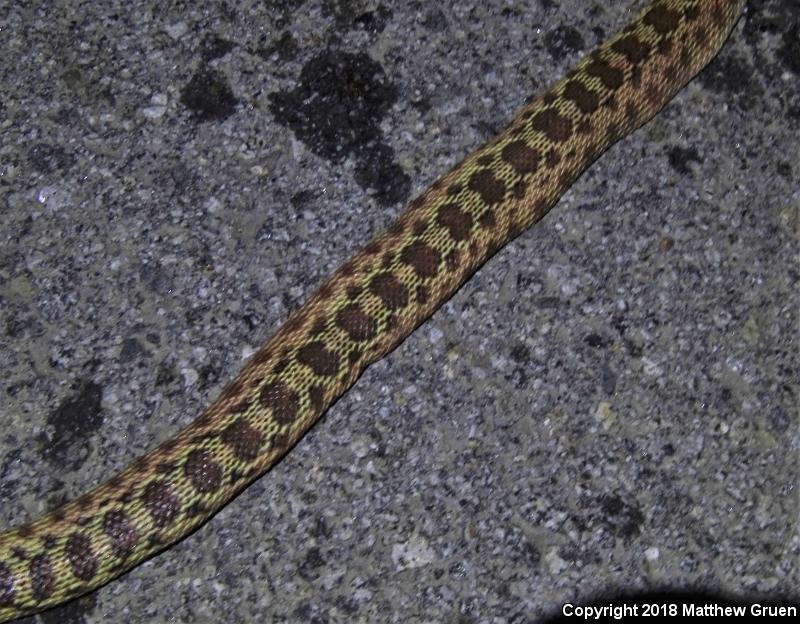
x=365, y=309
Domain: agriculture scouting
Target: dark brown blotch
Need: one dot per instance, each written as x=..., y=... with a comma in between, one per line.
x=489, y=187
x=418, y=201
x=281, y=365
x=519, y=129
x=662, y=19
x=613, y=133
x=515, y=228
x=316, y=394
x=348, y=269
x=611, y=77
x=552, y=124
x=665, y=46
x=49, y=541
x=279, y=442
x=204, y=473
x=585, y=99
x=244, y=439
x=26, y=531
x=457, y=222
x=422, y=258
x=43, y=577
x=81, y=557
x=357, y=324
x=685, y=58
x=389, y=290
x=197, y=508
x=353, y=357
x=523, y=158
x=121, y=532
x=548, y=98
x=162, y=503
x=632, y=48
x=319, y=326
x=321, y=360
x=485, y=160
x=700, y=35
x=691, y=12
x=670, y=73
x=588, y=155
x=372, y=248
x=452, y=259
x=283, y=401
x=487, y=218
x=419, y=227
x=552, y=158
x=632, y=113
x=19, y=552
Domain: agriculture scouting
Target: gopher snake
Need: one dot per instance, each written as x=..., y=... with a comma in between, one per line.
x=364, y=310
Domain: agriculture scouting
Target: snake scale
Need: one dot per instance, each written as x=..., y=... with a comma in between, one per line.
x=364, y=310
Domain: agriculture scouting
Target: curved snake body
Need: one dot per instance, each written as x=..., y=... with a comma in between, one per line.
x=364, y=310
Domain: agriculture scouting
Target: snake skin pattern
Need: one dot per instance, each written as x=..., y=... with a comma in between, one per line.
x=364, y=310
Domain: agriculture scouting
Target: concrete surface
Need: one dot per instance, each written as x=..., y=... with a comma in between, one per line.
x=609, y=405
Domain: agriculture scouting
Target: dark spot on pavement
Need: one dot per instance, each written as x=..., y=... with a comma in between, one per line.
x=208, y=96
x=336, y=110
x=70, y=424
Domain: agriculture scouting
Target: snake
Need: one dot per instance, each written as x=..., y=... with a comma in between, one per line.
x=364, y=310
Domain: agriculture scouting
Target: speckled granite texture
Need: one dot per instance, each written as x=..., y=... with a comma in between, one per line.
x=609, y=405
